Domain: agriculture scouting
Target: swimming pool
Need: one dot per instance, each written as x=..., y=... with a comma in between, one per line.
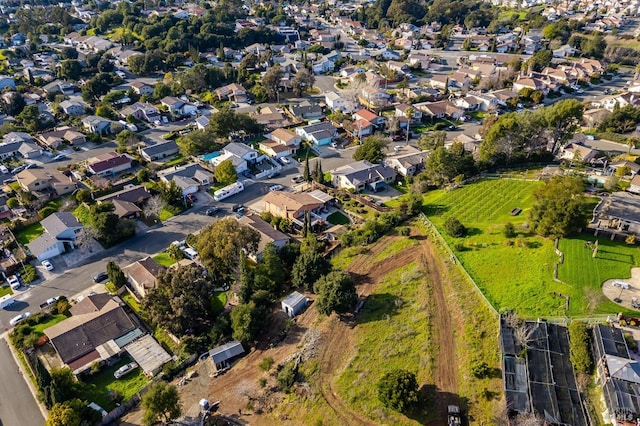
x=210, y=156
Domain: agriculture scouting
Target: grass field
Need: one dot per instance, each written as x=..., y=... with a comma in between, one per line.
x=395, y=247
x=100, y=386
x=30, y=233
x=338, y=218
x=164, y=259
x=518, y=273
x=165, y=214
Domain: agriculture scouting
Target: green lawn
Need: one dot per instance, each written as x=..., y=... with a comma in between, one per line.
x=174, y=161
x=4, y=290
x=30, y=233
x=219, y=301
x=101, y=385
x=338, y=218
x=165, y=214
x=517, y=273
x=53, y=320
x=164, y=259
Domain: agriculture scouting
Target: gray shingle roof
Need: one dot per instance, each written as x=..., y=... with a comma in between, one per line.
x=160, y=148
x=58, y=222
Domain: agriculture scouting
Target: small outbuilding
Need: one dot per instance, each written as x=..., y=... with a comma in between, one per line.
x=221, y=355
x=294, y=303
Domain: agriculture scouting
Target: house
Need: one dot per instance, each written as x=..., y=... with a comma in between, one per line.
x=323, y=66
x=271, y=118
x=294, y=205
x=148, y=354
x=141, y=88
x=111, y=166
x=634, y=185
x=362, y=175
x=529, y=83
x=620, y=212
x=54, y=138
x=407, y=163
x=439, y=110
x=98, y=125
x=336, y=102
x=618, y=373
x=143, y=274
x=202, y=122
x=60, y=231
x=221, y=356
x=72, y=108
x=402, y=111
x=268, y=234
x=178, y=107
x=281, y=143
x=371, y=117
x=374, y=97
x=234, y=92
x=294, y=303
x=160, y=151
x=92, y=334
x=141, y=111
x=306, y=111
x=362, y=128
x=390, y=55
x=318, y=134
x=241, y=156
x=9, y=149
x=577, y=152
x=7, y=81
x=41, y=180
x=189, y=177
x=137, y=195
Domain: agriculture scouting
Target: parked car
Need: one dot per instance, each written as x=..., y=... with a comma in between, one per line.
x=285, y=160
x=212, y=211
x=398, y=148
x=14, y=282
x=18, y=169
x=192, y=198
x=47, y=265
x=15, y=320
x=102, y=276
x=51, y=300
x=237, y=208
x=30, y=165
x=397, y=138
x=297, y=179
x=276, y=187
x=272, y=175
x=59, y=157
x=125, y=369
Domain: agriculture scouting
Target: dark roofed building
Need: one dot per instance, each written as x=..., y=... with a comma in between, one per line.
x=223, y=354
x=137, y=195
x=89, y=334
x=268, y=234
x=111, y=166
x=160, y=151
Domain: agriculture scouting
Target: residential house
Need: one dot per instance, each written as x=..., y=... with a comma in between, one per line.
x=9, y=149
x=189, y=177
x=143, y=274
x=504, y=96
x=53, y=139
x=178, y=107
x=92, y=334
x=268, y=234
x=60, y=232
x=620, y=212
x=362, y=175
x=408, y=112
x=306, y=111
x=160, y=151
x=137, y=195
x=294, y=304
x=111, y=166
x=362, y=128
x=271, y=118
x=459, y=81
x=72, y=108
x=374, y=97
x=292, y=205
x=440, y=110
x=577, y=152
x=98, y=125
x=202, y=122
x=59, y=86
x=529, y=83
x=366, y=115
x=633, y=167
x=141, y=88
x=390, y=55
x=440, y=82
x=468, y=103
x=45, y=180
x=408, y=162
x=241, y=155
x=634, y=185
x=323, y=66
x=234, y=91
x=318, y=134
x=336, y=102
x=280, y=143
x=141, y=111
x=398, y=67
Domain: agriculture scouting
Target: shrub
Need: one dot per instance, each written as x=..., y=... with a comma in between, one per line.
x=458, y=246
x=262, y=382
x=47, y=211
x=579, y=352
x=454, y=227
x=398, y=390
x=480, y=370
x=29, y=274
x=286, y=377
x=509, y=231
x=266, y=364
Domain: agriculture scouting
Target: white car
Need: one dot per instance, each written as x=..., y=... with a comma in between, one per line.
x=15, y=320
x=276, y=187
x=47, y=265
x=285, y=160
x=125, y=369
x=14, y=282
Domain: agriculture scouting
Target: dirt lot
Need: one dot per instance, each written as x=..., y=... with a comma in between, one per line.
x=332, y=342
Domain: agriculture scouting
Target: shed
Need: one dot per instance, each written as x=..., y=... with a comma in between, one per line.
x=221, y=355
x=294, y=303
x=148, y=353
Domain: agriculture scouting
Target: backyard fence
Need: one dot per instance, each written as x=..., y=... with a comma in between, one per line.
x=434, y=231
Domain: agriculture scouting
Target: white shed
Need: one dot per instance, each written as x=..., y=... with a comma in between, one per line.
x=294, y=303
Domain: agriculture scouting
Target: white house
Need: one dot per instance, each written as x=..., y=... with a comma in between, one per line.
x=241, y=156
x=189, y=177
x=72, y=108
x=178, y=107
x=60, y=232
x=336, y=102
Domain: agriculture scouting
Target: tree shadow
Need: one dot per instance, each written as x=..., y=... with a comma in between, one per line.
x=435, y=209
x=473, y=231
x=432, y=406
x=379, y=306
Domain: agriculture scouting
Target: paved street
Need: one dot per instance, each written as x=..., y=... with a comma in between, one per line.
x=18, y=406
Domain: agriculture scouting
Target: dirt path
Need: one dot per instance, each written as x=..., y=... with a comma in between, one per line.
x=445, y=374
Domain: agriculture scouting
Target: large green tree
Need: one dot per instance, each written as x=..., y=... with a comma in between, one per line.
x=559, y=208
x=116, y=276
x=225, y=172
x=73, y=412
x=398, y=390
x=180, y=302
x=561, y=119
x=247, y=321
x=161, y=403
x=372, y=149
x=579, y=350
x=336, y=293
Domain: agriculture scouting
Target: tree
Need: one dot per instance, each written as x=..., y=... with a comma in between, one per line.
x=175, y=252
x=13, y=103
x=116, y=276
x=247, y=322
x=73, y=412
x=432, y=140
x=70, y=69
x=562, y=119
x=372, y=149
x=309, y=267
x=109, y=228
x=306, y=173
x=68, y=53
x=444, y=165
x=336, y=293
x=579, y=345
x=225, y=173
x=271, y=81
x=559, y=208
x=509, y=231
x=540, y=60
x=180, y=301
x=153, y=207
x=454, y=227
x=12, y=203
x=398, y=390
x=106, y=111
x=270, y=273
x=30, y=118
x=161, y=403
x=220, y=244
x=302, y=81
x=83, y=196
x=170, y=193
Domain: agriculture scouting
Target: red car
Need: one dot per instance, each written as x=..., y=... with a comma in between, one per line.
x=397, y=138
x=192, y=198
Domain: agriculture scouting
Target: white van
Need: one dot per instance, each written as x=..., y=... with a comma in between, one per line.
x=190, y=253
x=6, y=301
x=3, y=169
